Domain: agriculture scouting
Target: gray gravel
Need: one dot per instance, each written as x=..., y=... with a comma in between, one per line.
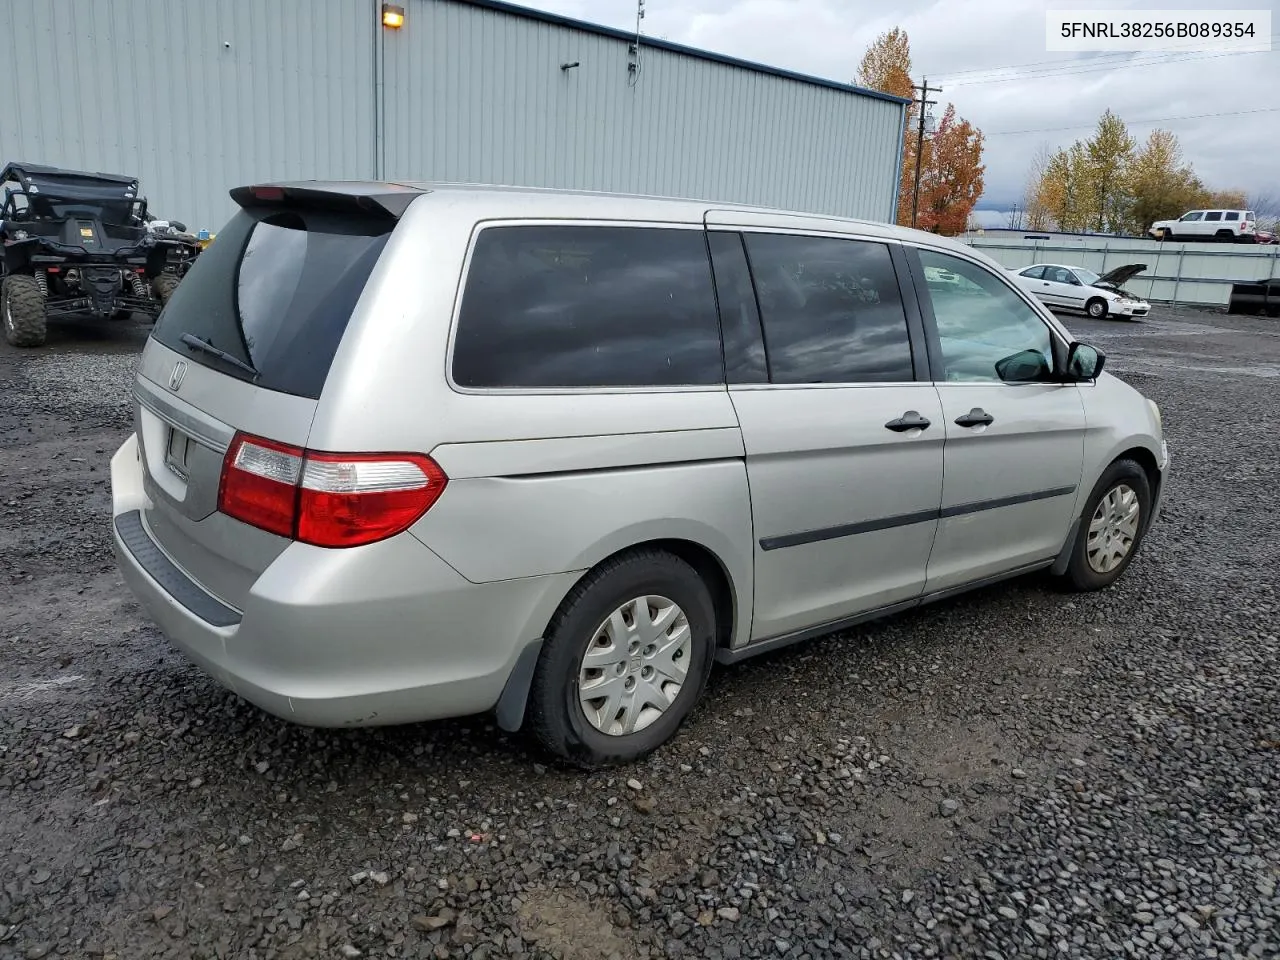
x=1015, y=773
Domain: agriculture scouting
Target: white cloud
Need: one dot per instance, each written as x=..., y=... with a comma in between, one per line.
x=951, y=38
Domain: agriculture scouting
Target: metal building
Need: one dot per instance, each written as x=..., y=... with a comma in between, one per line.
x=197, y=97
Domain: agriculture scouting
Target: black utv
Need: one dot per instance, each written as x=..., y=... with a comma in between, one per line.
x=82, y=245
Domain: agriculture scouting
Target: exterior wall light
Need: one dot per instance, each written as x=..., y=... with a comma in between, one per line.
x=392, y=16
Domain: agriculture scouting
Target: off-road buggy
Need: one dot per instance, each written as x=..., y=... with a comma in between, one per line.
x=81, y=244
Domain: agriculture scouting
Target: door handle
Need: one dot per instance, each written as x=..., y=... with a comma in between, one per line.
x=911, y=420
x=975, y=418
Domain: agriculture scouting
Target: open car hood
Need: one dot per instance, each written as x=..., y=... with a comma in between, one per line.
x=1120, y=275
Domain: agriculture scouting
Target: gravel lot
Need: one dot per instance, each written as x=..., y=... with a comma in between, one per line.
x=1012, y=774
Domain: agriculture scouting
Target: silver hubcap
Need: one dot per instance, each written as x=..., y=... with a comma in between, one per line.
x=635, y=666
x=1113, y=528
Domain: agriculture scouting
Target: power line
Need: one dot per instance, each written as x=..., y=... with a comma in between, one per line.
x=1119, y=55
x=1130, y=123
x=1151, y=62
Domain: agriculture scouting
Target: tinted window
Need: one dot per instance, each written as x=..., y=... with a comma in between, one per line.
x=831, y=310
x=1233, y=214
x=1214, y=215
x=744, y=359
x=987, y=332
x=275, y=290
x=1193, y=216
x=588, y=306
x=1035, y=273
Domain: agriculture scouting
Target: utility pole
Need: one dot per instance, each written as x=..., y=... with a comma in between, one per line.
x=924, y=101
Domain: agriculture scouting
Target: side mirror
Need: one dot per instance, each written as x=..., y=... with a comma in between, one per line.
x=1084, y=362
x=1025, y=366
x=178, y=225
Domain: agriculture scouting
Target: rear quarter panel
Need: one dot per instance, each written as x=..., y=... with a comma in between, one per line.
x=540, y=482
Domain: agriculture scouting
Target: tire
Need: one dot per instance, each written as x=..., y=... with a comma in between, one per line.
x=1168, y=235
x=1123, y=476
x=557, y=717
x=1224, y=236
x=163, y=287
x=1096, y=308
x=22, y=306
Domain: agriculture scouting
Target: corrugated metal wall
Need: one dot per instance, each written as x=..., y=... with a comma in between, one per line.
x=196, y=97
x=478, y=95
x=151, y=89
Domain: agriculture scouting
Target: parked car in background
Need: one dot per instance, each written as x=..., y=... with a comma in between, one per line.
x=414, y=451
x=1233, y=226
x=1066, y=287
x=1265, y=236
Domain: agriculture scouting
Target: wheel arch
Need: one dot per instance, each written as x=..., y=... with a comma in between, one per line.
x=707, y=563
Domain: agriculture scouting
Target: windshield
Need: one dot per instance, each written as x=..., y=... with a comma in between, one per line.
x=1087, y=277
x=275, y=291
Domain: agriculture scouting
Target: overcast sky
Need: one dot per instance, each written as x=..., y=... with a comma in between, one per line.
x=952, y=39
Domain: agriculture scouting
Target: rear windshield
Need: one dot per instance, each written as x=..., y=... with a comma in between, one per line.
x=275, y=291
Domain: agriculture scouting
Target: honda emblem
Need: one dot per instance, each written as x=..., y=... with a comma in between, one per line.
x=176, y=377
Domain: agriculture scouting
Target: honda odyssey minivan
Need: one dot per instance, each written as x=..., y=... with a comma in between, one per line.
x=411, y=451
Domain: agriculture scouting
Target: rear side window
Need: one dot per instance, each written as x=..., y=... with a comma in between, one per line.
x=275, y=290
x=1233, y=214
x=831, y=309
x=1213, y=215
x=588, y=306
x=1035, y=273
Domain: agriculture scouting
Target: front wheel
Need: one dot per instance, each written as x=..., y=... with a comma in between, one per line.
x=22, y=304
x=1096, y=308
x=625, y=660
x=1111, y=527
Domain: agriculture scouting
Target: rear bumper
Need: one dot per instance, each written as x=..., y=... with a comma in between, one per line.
x=383, y=634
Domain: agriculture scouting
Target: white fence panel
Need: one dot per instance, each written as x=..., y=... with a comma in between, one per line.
x=1191, y=273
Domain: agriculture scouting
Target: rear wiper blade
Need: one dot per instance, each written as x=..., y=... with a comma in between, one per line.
x=195, y=343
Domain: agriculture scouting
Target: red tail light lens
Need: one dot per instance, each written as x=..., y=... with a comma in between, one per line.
x=350, y=499
x=326, y=499
x=259, y=483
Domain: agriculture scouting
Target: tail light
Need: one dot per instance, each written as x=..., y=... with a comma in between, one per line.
x=326, y=499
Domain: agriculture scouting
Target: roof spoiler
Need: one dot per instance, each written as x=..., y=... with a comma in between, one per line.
x=388, y=200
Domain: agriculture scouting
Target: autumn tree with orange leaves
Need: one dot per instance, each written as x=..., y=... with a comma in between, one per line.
x=886, y=66
x=951, y=169
x=952, y=175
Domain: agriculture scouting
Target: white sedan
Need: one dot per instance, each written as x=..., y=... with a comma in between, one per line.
x=1075, y=288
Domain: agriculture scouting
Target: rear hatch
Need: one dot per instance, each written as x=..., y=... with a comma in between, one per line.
x=245, y=345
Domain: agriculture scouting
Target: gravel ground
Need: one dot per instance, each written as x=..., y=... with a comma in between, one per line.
x=1011, y=774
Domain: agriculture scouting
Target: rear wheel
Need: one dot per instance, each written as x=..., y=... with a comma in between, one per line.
x=1224, y=235
x=625, y=660
x=1111, y=527
x=1096, y=308
x=23, y=307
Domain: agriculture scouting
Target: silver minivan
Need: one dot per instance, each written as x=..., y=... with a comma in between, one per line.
x=411, y=451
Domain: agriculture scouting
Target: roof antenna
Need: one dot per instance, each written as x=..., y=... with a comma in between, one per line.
x=634, y=66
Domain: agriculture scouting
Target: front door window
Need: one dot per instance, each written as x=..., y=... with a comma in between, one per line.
x=987, y=332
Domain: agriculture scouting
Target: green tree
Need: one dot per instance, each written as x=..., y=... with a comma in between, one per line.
x=1108, y=153
x=1161, y=186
